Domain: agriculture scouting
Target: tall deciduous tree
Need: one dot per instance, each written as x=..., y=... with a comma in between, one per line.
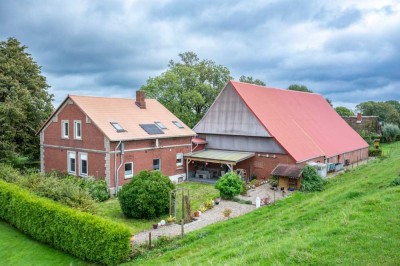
x=344, y=111
x=24, y=101
x=386, y=111
x=188, y=87
x=251, y=80
x=296, y=87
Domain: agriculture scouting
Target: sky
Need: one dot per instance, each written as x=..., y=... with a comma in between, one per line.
x=346, y=50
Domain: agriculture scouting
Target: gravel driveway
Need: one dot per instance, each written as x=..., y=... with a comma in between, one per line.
x=212, y=216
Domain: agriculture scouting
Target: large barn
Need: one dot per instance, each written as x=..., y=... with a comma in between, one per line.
x=255, y=128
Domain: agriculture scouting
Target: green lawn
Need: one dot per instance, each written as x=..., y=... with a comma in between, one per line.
x=18, y=249
x=111, y=209
x=355, y=221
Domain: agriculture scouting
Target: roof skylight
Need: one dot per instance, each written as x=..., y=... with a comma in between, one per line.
x=117, y=127
x=160, y=125
x=176, y=123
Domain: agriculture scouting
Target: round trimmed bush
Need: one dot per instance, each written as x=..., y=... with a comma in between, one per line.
x=146, y=196
x=230, y=185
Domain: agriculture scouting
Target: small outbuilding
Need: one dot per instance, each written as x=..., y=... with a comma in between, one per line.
x=289, y=176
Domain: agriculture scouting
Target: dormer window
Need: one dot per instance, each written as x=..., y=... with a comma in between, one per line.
x=176, y=123
x=160, y=125
x=117, y=127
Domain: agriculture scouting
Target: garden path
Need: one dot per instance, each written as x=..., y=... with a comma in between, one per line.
x=211, y=216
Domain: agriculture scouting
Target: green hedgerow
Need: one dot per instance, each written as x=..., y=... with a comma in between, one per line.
x=84, y=235
x=146, y=196
x=229, y=185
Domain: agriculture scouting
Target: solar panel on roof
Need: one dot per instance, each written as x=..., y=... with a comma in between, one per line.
x=151, y=129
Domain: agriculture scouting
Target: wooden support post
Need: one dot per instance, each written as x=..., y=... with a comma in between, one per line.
x=183, y=215
x=149, y=240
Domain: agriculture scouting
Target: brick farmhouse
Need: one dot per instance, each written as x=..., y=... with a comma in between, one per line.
x=113, y=139
x=255, y=128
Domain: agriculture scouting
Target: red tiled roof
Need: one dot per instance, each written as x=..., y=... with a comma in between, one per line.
x=304, y=124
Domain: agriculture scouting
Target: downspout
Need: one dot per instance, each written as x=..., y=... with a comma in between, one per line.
x=115, y=168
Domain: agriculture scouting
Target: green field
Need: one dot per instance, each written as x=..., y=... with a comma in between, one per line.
x=355, y=221
x=18, y=249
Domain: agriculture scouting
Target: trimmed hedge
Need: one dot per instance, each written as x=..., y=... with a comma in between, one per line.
x=84, y=235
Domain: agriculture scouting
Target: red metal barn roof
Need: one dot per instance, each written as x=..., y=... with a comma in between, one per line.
x=303, y=123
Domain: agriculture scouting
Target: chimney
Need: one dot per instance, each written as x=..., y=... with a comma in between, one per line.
x=359, y=118
x=140, y=99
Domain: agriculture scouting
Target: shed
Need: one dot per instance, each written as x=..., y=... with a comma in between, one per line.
x=289, y=176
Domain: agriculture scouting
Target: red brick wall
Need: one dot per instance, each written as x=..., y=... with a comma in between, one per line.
x=92, y=138
x=59, y=162
x=353, y=156
x=263, y=166
x=143, y=160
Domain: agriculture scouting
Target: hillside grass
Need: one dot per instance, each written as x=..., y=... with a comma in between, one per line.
x=110, y=209
x=355, y=221
x=18, y=249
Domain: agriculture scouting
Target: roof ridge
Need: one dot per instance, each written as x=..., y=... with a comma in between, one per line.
x=272, y=88
x=106, y=97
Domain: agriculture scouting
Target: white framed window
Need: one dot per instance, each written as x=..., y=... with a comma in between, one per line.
x=156, y=164
x=83, y=164
x=71, y=162
x=179, y=159
x=77, y=129
x=65, y=129
x=128, y=170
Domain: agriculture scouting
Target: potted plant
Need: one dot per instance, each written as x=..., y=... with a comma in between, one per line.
x=216, y=201
x=170, y=219
x=227, y=212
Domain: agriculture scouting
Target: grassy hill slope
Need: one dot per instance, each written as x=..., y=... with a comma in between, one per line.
x=356, y=220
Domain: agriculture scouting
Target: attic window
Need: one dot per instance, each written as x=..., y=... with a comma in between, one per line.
x=160, y=125
x=117, y=126
x=151, y=129
x=176, y=123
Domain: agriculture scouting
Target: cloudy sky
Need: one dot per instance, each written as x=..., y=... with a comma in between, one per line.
x=347, y=50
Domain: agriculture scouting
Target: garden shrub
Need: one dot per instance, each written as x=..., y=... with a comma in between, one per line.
x=390, y=132
x=372, y=152
x=311, y=181
x=84, y=235
x=229, y=185
x=66, y=191
x=273, y=181
x=146, y=195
